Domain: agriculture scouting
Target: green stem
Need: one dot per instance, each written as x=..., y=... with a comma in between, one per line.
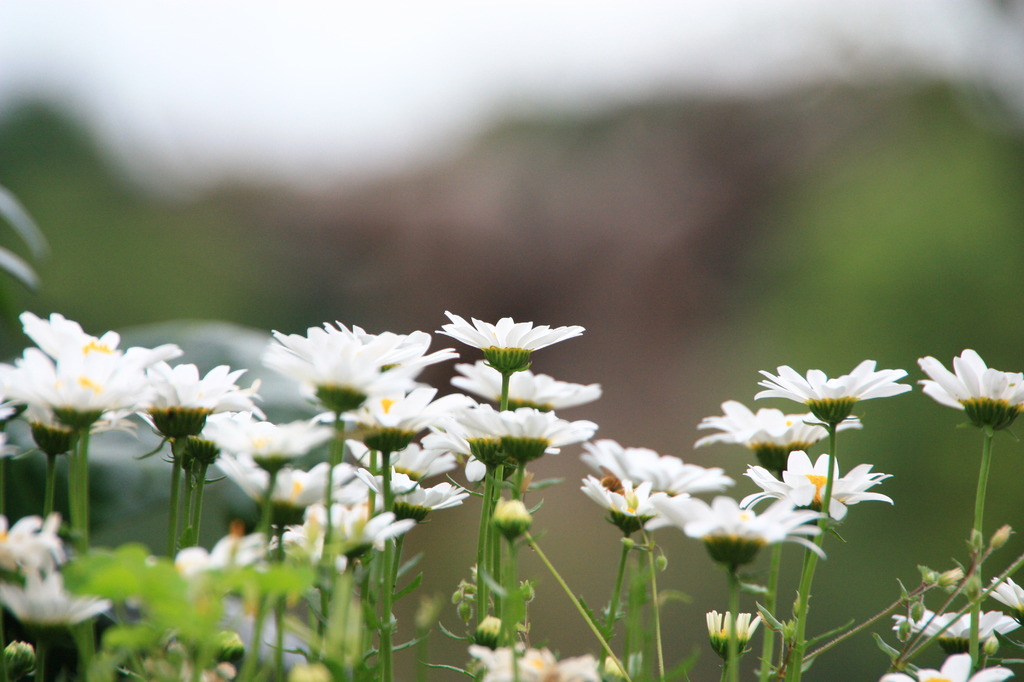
x=803, y=601
x=979, y=514
x=483, y=546
x=770, y=601
x=51, y=485
x=387, y=587
x=196, y=515
x=579, y=607
x=732, y=618
x=42, y=650
x=80, y=516
x=509, y=615
x=655, y=604
x=613, y=605
x=174, y=511
x=634, y=613
x=267, y=512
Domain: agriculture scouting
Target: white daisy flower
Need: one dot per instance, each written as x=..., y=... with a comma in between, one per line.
x=233, y=550
x=803, y=484
x=528, y=433
x=31, y=545
x=413, y=501
x=956, y=630
x=293, y=488
x=720, y=627
x=534, y=665
x=525, y=389
x=628, y=508
x=414, y=461
x=666, y=473
x=832, y=400
x=733, y=535
x=988, y=396
x=182, y=400
x=270, y=445
x=389, y=422
x=1011, y=594
x=955, y=669
x=506, y=334
x=43, y=602
x=354, y=528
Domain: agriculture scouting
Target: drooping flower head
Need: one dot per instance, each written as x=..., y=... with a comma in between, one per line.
x=733, y=536
x=1011, y=594
x=832, y=400
x=769, y=433
x=990, y=398
x=804, y=484
x=665, y=473
x=508, y=344
x=955, y=669
x=525, y=389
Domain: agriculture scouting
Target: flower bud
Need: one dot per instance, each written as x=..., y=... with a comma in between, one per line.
x=19, y=659
x=488, y=632
x=230, y=647
x=991, y=646
x=511, y=518
x=465, y=611
x=972, y=588
x=661, y=563
x=928, y=576
x=976, y=541
x=917, y=611
x=310, y=672
x=1000, y=537
x=948, y=580
x=903, y=631
x=612, y=670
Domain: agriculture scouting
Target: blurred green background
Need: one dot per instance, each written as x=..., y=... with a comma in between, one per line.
x=698, y=238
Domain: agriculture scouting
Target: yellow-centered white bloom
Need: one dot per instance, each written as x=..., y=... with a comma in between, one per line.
x=665, y=473
x=629, y=507
x=414, y=461
x=989, y=397
x=31, y=545
x=525, y=389
x=270, y=445
x=233, y=550
x=768, y=426
x=955, y=669
x=720, y=629
x=1012, y=595
x=412, y=500
x=534, y=665
x=832, y=400
x=956, y=630
x=804, y=484
x=292, y=487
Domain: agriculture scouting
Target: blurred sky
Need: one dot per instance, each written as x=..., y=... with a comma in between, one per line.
x=189, y=93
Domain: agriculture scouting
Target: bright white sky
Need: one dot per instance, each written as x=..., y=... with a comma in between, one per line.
x=310, y=92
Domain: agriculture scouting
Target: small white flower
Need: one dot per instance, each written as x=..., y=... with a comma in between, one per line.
x=768, y=426
x=43, y=602
x=413, y=501
x=665, y=473
x=955, y=669
x=506, y=334
x=414, y=461
x=989, y=396
x=218, y=391
x=803, y=484
x=956, y=630
x=233, y=550
x=31, y=545
x=525, y=389
x=1011, y=594
x=733, y=535
x=292, y=488
x=534, y=665
x=629, y=508
x=355, y=530
x=831, y=400
x=720, y=629
x=411, y=412
x=268, y=443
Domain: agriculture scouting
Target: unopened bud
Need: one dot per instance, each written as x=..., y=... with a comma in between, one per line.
x=1000, y=537
x=19, y=659
x=928, y=576
x=972, y=587
x=661, y=562
x=976, y=541
x=488, y=632
x=511, y=518
x=951, y=578
x=527, y=591
x=991, y=646
x=465, y=611
x=612, y=670
x=903, y=631
x=917, y=611
x=310, y=672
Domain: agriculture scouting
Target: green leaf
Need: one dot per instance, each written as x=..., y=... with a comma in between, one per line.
x=410, y=587
x=886, y=649
x=16, y=267
x=18, y=218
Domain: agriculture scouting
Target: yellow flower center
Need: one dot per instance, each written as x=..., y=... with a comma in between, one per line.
x=818, y=482
x=95, y=346
x=386, y=404
x=936, y=679
x=296, y=489
x=86, y=382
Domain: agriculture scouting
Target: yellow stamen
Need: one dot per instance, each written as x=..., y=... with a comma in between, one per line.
x=818, y=482
x=386, y=404
x=296, y=489
x=95, y=346
x=86, y=382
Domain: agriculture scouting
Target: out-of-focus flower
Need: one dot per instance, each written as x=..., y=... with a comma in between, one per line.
x=525, y=389
x=44, y=603
x=31, y=545
x=803, y=484
x=413, y=501
x=832, y=400
x=732, y=535
x=1011, y=594
x=956, y=630
x=414, y=461
x=294, y=489
x=666, y=473
x=233, y=550
x=389, y=422
x=534, y=665
x=354, y=529
x=989, y=397
x=955, y=669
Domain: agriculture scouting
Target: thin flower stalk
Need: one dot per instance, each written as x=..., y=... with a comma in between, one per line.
x=655, y=604
x=576, y=603
x=770, y=602
x=803, y=600
x=979, y=516
x=732, y=664
x=174, y=510
x=613, y=605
